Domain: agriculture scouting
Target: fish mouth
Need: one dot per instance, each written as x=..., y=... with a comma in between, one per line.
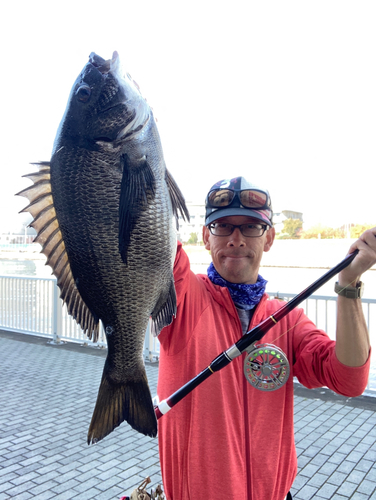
x=103, y=65
x=134, y=99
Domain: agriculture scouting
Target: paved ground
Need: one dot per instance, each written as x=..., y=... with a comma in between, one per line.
x=46, y=401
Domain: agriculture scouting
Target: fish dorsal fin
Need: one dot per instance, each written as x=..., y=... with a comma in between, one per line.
x=49, y=236
x=177, y=198
x=137, y=191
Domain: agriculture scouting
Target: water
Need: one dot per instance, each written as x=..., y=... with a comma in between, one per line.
x=295, y=280
x=24, y=267
x=282, y=279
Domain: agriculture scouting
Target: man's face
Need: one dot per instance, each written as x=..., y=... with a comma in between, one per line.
x=236, y=257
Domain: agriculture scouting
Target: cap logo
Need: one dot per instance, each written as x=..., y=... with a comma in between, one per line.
x=225, y=183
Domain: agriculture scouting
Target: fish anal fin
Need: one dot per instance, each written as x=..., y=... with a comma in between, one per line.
x=164, y=311
x=137, y=190
x=177, y=198
x=130, y=401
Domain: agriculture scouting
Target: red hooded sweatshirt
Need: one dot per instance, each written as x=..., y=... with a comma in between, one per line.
x=227, y=440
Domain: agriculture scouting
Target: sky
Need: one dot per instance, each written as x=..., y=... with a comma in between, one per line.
x=281, y=92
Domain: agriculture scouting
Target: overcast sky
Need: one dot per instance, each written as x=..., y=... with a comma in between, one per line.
x=281, y=92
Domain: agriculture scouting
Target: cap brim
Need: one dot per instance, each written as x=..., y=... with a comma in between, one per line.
x=227, y=212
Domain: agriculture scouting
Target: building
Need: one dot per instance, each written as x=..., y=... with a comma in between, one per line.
x=197, y=221
x=279, y=217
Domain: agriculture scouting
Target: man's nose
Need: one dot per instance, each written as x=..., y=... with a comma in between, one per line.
x=236, y=238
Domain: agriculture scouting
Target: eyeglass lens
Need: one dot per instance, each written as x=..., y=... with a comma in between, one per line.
x=223, y=229
x=248, y=198
x=221, y=197
x=252, y=199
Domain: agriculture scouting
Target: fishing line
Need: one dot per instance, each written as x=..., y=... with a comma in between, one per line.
x=331, y=299
x=266, y=367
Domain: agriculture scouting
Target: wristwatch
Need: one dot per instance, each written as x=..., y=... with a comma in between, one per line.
x=351, y=292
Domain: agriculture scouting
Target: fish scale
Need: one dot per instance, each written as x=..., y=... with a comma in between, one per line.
x=109, y=207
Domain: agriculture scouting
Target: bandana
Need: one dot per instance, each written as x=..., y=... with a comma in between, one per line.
x=244, y=296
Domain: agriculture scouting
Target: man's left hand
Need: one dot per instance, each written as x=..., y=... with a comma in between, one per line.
x=366, y=258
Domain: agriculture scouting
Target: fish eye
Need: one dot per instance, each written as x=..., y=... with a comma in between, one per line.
x=83, y=93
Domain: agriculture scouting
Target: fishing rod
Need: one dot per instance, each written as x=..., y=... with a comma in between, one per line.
x=261, y=363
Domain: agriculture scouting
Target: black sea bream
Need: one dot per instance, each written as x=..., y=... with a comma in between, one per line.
x=105, y=210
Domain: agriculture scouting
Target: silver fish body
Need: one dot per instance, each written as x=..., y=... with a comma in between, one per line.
x=104, y=209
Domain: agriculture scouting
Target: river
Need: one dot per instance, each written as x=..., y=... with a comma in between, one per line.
x=282, y=279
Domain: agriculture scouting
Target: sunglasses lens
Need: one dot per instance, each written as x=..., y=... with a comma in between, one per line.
x=221, y=198
x=253, y=199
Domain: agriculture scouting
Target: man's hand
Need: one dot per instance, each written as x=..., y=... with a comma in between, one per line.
x=352, y=339
x=365, y=259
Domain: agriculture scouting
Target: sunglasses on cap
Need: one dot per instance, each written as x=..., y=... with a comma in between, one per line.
x=248, y=198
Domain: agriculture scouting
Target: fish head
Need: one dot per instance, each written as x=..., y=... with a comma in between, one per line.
x=104, y=106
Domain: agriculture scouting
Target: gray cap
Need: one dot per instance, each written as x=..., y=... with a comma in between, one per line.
x=257, y=195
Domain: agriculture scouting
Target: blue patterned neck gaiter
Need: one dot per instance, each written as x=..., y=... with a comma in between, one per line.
x=244, y=296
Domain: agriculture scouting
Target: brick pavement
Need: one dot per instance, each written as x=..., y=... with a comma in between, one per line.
x=47, y=398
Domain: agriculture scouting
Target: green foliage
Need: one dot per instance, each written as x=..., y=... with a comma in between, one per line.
x=325, y=232
x=193, y=239
x=356, y=231
x=291, y=229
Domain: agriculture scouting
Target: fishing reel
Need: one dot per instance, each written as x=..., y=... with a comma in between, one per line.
x=266, y=367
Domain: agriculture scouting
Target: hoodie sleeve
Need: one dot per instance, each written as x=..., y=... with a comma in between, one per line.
x=316, y=363
x=191, y=300
x=182, y=269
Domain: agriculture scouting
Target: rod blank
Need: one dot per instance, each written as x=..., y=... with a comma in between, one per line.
x=249, y=338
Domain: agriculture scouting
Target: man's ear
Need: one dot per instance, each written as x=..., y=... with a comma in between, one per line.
x=270, y=235
x=205, y=237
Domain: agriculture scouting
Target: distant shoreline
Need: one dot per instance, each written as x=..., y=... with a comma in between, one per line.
x=288, y=254
x=22, y=255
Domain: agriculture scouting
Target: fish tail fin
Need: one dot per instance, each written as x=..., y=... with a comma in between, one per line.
x=130, y=401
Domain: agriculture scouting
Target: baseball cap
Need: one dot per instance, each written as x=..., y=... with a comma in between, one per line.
x=237, y=196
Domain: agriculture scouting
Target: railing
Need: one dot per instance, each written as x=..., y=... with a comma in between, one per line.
x=32, y=306
x=321, y=309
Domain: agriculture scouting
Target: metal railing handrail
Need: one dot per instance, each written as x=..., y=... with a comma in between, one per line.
x=282, y=295
x=31, y=305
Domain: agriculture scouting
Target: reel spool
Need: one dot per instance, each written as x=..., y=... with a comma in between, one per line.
x=266, y=367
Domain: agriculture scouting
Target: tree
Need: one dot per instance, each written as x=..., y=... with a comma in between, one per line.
x=358, y=229
x=291, y=228
x=323, y=232
x=193, y=239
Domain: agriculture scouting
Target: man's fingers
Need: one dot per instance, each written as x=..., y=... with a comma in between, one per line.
x=369, y=237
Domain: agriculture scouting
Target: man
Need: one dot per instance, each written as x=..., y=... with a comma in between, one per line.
x=227, y=440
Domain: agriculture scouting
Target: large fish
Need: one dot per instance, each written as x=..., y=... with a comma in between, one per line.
x=105, y=211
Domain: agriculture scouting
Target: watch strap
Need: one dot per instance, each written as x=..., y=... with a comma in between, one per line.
x=351, y=292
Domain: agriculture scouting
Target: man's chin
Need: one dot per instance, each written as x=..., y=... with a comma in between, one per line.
x=238, y=275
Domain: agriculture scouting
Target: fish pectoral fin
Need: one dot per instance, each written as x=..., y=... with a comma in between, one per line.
x=177, y=199
x=136, y=192
x=116, y=403
x=164, y=311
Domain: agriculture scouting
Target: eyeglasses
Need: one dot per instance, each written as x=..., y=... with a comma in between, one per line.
x=248, y=230
x=249, y=198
